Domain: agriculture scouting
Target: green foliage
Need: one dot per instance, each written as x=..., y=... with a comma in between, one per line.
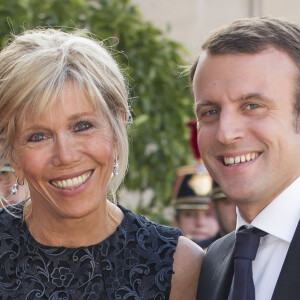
x=160, y=97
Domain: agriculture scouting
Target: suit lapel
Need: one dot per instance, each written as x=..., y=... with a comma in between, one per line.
x=223, y=275
x=217, y=270
x=287, y=286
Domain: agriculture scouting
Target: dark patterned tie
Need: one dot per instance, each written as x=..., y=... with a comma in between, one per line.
x=246, y=245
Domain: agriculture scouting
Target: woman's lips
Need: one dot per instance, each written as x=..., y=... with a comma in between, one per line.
x=71, y=183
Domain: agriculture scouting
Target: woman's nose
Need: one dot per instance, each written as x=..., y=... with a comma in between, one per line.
x=66, y=151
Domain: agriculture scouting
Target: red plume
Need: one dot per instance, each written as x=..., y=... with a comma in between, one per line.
x=193, y=139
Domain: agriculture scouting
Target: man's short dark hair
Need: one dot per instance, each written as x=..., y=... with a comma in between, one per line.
x=253, y=35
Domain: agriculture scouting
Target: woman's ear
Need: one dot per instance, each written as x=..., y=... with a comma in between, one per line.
x=115, y=148
x=14, y=162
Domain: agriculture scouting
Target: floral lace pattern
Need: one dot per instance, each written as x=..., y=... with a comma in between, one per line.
x=135, y=262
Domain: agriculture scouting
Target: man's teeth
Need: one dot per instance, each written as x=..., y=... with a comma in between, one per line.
x=239, y=159
x=72, y=182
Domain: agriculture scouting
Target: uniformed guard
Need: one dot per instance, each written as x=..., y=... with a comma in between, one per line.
x=224, y=210
x=192, y=195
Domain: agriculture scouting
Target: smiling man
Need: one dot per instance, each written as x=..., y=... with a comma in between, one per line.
x=247, y=101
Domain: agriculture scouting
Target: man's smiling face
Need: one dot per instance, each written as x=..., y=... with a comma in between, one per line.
x=246, y=135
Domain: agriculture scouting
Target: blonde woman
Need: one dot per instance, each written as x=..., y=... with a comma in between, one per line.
x=63, y=116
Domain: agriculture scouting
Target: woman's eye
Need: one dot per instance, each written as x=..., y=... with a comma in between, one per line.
x=36, y=137
x=81, y=126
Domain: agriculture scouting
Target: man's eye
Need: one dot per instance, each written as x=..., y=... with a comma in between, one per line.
x=36, y=137
x=211, y=112
x=81, y=126
x=252, y=106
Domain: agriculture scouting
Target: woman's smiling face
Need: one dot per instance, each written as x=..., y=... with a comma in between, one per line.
x=66, y=156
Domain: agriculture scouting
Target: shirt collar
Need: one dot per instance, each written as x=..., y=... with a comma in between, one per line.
x=280, y=218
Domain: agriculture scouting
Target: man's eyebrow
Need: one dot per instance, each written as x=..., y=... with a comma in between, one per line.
x=201, y=103
x=253, y=96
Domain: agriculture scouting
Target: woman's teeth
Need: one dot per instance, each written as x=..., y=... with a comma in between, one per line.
x=240, y=159
x=72, y=182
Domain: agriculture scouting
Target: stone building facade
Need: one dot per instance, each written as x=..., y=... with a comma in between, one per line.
x=190, y=21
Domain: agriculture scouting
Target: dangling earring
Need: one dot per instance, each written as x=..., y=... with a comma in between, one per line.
x=15, y=188
x=115, y=167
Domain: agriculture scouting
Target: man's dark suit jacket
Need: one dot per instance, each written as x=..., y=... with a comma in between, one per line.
x=217, y=271
x=204, y=244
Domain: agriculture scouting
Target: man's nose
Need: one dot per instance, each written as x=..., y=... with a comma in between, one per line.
x=230, y=128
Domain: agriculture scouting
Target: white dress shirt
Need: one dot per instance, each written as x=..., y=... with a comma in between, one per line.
x=280, y=219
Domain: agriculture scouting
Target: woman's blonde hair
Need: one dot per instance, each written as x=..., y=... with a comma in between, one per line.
x=34, y=69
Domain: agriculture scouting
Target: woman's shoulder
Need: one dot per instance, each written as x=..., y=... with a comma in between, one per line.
x=168, y=246
x=188, y=258
x=140, y=222
x=188, y=252
x=150, y=247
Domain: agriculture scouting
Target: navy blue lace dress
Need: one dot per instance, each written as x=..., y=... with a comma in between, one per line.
x=135, y=262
